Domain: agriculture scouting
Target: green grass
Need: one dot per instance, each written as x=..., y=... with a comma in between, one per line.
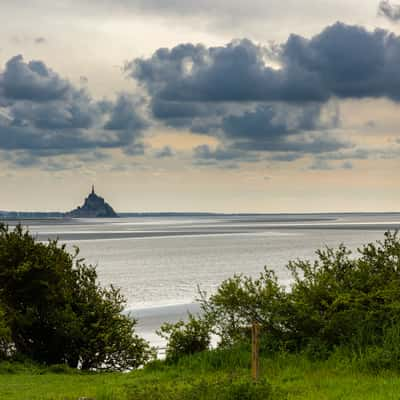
x=211, y=375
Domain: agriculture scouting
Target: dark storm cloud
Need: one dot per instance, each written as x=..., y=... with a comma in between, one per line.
x=293, y=131
x=76, y=112
x=342, y=61
x=196, y=73
x=389, y=10
x=43, y=115
x=280, y=128
x=249, y=126
x=51, y=143
x=170, y=110
x=32, y=81
x=271, y=121
x=124, y=117
x=255, y=98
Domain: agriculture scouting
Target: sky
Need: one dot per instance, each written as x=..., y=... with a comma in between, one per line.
x=265, y=106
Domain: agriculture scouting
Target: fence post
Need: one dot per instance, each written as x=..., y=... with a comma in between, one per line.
x=255, y=351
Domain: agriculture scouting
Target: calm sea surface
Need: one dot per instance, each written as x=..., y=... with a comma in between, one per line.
x=159, y=262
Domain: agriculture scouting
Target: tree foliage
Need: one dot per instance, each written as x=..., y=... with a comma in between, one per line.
x=185, y=338
x=5, y=336
x=55, y=310
x=241, y=300
x=339, y=299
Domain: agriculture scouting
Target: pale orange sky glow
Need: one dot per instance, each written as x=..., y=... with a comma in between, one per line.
x=163, y=108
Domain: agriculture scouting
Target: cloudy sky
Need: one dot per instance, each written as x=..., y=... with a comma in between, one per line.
x=206, y=105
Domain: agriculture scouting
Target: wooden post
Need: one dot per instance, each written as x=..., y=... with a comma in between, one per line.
x=255, y=351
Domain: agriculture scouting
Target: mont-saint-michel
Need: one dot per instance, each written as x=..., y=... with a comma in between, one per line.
x=94, y=206
x=251, y=152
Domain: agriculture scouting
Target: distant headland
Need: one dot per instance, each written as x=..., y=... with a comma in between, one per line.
x=94, y=206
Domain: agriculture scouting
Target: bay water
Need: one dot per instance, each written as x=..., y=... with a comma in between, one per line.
x=159, y=262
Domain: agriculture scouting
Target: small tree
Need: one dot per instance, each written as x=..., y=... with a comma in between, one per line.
x=185, y=338
x=241, y=300
x=56, y=311
x=336, y=300
x=341, y=300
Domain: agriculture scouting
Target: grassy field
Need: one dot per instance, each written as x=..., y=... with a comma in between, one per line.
x=212, y=375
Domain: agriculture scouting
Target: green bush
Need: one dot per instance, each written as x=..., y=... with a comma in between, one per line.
x=184, y=338
x=57, y=313
x=342, y=300
x=337, y=300
x=241, y=300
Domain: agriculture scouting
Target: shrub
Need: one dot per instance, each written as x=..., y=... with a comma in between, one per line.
x=184, y=338
x=337, y=300
x=56, y=311
x=241, y=300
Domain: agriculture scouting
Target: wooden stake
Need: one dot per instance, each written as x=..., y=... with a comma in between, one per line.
x=255, y=351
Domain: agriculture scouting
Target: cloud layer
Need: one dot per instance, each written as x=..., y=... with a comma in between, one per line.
x=43, y=114
x=342, y=61
x=280, y=99
x=277, y=103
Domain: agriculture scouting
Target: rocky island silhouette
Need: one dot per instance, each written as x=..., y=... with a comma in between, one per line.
x=94, y=206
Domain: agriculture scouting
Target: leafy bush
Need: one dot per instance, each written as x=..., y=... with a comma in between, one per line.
x=337, y=300
x=185, y=338
x=241, y=300
x=56, y=311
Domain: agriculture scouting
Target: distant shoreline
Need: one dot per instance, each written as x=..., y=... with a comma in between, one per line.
x=59, y=216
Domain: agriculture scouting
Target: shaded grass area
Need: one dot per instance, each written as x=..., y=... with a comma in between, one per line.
x=219, y=374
